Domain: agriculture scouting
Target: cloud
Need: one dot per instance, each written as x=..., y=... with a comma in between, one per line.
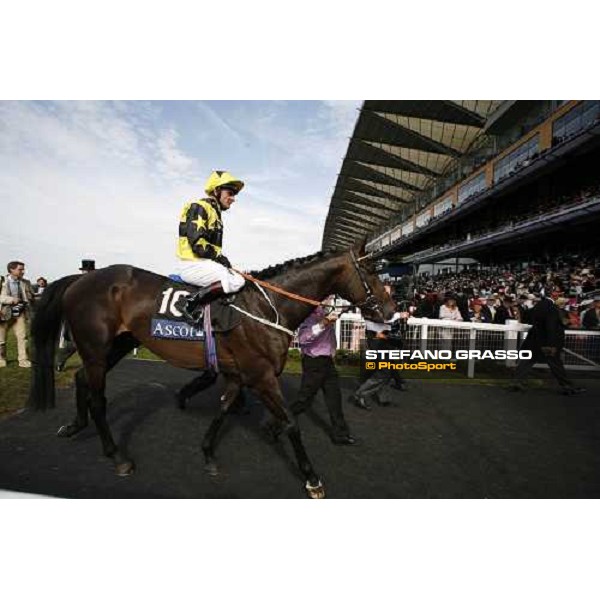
x=172, y=163
x=216, y=119
x=325, y=129
x=107, y=180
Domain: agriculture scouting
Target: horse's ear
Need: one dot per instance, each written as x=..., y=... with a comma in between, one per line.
x=359, y=247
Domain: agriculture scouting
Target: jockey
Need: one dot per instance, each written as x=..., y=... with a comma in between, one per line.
x=201, y=261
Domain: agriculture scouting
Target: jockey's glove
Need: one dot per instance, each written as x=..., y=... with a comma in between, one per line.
x=223, y=260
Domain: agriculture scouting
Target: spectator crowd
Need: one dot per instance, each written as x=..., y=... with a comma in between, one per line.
x=496, y=295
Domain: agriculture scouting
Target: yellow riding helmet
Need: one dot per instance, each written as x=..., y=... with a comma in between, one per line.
x=220, y=178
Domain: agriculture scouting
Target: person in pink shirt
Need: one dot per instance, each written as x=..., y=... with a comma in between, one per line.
x=317, y=346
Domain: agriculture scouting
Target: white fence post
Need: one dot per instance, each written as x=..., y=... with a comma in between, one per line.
x=471, y=365
x=511, y=339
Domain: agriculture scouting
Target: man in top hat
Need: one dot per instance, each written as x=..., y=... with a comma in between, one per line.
x=66, y=346
x=87, y=265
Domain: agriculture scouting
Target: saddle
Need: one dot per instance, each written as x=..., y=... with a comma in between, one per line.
x=168, y=321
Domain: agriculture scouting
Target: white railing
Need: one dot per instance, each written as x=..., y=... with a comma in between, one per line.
x=581, y=351
x=440, y=334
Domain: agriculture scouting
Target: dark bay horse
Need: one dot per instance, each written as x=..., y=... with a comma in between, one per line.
x=108, y=312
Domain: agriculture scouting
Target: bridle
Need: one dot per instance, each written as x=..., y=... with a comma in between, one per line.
x=370, y=302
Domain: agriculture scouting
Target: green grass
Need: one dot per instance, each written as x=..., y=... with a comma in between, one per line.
x=293, y=365
x=14, y=381
x=145, y=354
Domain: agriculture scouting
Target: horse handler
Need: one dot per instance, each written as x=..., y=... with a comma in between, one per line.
x=317, y=346
x=379, y=337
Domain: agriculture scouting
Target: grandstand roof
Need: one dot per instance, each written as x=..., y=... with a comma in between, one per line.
x=399, y=148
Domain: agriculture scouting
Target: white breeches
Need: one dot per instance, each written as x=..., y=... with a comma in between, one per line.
x=203, y=272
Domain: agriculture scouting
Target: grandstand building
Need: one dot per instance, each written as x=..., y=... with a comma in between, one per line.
x=439, y=184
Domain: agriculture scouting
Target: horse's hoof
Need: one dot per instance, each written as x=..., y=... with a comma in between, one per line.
x=316, y=492
x=125, y=469
x=211, y=469
x=68, y=430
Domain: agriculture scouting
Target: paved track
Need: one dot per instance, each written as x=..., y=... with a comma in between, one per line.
x=435, y=441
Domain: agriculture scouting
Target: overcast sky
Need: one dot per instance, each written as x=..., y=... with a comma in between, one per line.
x=107, y=180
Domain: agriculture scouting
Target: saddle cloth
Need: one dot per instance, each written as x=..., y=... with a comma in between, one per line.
x=168, y=323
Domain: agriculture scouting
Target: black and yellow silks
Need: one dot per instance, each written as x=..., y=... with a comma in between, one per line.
x=201, y=231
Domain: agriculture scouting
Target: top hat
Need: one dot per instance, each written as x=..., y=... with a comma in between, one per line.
x=88, y=265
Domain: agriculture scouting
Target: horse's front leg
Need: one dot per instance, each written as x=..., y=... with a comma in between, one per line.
x=272, y=397
x=232, y=389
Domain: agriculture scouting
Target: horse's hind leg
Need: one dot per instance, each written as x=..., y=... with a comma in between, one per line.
x=82, y=398
x=228, y=399
x=122, y=345
x=95, y=371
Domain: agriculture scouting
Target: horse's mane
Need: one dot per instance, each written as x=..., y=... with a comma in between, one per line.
x=274, y=270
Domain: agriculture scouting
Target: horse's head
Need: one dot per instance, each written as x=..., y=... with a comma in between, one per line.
x=361, y=286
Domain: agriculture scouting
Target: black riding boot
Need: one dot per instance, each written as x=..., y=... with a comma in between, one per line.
x=190, y=310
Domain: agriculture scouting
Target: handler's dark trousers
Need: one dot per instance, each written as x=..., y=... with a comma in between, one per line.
x=374, y=382
x=319, y=373
x=554, y=362
x=374, y=385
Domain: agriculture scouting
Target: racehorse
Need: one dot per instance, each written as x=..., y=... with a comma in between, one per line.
x=108, y=312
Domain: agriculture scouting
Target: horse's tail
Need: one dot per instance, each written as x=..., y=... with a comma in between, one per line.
x=45, y=330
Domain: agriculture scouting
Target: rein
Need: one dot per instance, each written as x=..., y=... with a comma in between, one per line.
x=370, y=302
x=259, y=283
x=278, y=290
